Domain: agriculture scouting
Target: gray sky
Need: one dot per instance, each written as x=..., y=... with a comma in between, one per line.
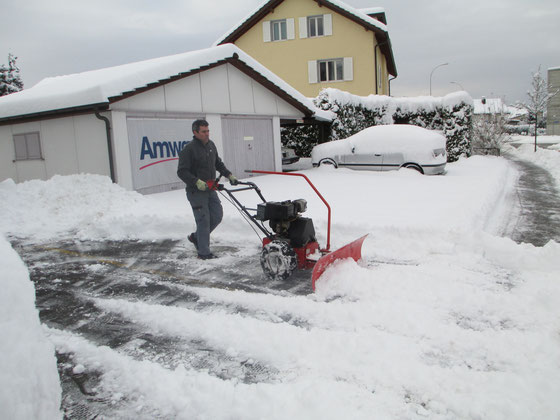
x=492, y=46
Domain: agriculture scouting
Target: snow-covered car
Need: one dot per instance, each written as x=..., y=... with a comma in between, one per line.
x=288, y=156
x=384, y=148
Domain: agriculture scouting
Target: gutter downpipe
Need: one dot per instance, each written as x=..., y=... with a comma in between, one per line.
x=109, y=144
x=392, y=78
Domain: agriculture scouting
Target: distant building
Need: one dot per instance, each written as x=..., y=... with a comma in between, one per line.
x=553, y=108
x=486, y=108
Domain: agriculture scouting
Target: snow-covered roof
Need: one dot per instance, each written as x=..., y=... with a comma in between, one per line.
x=100, y=87
x=491, y=106
x=266, y=5
x=372, y=10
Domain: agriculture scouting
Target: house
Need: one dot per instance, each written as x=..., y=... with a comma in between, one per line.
x=314, y=44
x=553, y=107
x=129, y=122
x=485, y=108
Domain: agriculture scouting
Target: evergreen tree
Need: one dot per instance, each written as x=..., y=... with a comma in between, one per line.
x=10, y=80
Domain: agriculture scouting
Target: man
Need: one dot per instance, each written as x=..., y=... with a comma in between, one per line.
x=198, y=162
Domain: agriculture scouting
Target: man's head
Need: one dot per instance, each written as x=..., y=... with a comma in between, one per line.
x=201, y=131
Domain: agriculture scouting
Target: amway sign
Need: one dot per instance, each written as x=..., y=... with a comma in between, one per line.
x=155, y=144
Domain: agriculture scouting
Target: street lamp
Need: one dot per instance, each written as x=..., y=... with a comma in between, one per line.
x=439, y=65
x=458, y=84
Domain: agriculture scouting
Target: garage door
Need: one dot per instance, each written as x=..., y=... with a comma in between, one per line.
x=248, y=144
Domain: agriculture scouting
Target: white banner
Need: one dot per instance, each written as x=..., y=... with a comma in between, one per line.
x=155, y=144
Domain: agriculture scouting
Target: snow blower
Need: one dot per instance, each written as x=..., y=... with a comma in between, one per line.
x=290, y=242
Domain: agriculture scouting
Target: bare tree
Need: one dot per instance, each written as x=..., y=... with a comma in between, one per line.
x=489, y=134
x=539, y=94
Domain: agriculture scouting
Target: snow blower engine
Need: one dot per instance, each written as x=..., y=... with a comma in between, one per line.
x=290, y=243
x=293, y=243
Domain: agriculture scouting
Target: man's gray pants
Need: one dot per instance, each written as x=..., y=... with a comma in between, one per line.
x=208, y=214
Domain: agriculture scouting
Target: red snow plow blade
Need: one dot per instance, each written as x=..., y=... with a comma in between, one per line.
x=352, y=250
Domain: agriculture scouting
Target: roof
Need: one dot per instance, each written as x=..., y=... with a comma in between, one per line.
x=491, y=106
x=358, y=16
x=97, y=89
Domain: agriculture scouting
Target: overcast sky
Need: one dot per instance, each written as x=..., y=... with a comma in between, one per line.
x=492, y=46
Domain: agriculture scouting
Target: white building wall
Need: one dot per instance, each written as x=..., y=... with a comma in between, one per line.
x=68, y=145
x=123, y=166
x=91, y=145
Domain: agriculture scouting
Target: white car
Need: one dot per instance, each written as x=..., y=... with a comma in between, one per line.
x=288, y=156
x=384, y=148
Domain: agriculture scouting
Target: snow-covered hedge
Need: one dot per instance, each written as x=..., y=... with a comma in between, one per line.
x=452, y=114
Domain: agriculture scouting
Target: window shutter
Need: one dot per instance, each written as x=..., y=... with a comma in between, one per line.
x=266, y=31
x=290, y=25
x=312, y=71
x=303, y=27
x=348, y=69
x=327, y=22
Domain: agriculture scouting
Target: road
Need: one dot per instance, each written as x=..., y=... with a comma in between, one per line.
x=69, y=276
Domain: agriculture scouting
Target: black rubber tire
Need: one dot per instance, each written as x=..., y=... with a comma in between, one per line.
x=278, y=260
x=414, y=166
x=328, y=162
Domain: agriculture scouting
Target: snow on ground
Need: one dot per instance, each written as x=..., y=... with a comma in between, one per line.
x=28, y=376
x=442, y=319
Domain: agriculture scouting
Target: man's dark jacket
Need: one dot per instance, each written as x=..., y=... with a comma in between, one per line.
x=200, y=161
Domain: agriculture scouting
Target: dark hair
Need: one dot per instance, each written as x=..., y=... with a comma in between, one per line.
x=199, y=123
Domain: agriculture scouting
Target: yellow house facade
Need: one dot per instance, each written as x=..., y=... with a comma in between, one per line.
x=314, y=44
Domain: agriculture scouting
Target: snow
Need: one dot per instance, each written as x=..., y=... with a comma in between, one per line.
x=406, y=104
x=28, y=374
x=444, y=318
x=97, y=86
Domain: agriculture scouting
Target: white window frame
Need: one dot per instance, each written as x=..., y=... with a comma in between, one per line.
x=314, y=70
x=26, y=146
x=334, y=70
x=314, y=23
x=305, y=25
x=279, y=23
x=283, y=35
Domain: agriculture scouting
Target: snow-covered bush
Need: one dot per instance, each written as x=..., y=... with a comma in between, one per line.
x=301, y=138
x=489, y=134
x=452, y=114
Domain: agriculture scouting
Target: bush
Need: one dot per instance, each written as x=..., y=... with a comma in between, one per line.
x=451, y=114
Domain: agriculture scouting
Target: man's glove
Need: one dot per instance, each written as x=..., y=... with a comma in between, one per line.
x=201, y=185
x=233, y=180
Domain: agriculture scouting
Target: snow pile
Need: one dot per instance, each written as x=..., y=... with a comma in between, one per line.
x=28, y=374
x=87, y=206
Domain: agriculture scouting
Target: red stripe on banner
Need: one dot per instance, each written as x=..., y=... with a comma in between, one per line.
x=159, y=161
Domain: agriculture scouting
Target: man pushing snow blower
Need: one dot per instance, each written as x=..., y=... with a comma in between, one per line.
x=198, y=162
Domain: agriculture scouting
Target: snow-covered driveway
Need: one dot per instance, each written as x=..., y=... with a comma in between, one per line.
x=443, y=319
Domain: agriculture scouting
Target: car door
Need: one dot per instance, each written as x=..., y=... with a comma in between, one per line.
x=363, y=160
x=392, y=161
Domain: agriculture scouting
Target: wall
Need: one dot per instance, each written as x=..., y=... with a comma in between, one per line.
x=220, y=90
x=553, y=110
x=69, y=145
x=288, y=59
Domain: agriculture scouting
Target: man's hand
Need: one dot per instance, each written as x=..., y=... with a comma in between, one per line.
x=233, y=180
x=201, y=185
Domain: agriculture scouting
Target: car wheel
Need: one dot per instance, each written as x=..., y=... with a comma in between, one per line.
x=328, y=162
x=414, y=166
